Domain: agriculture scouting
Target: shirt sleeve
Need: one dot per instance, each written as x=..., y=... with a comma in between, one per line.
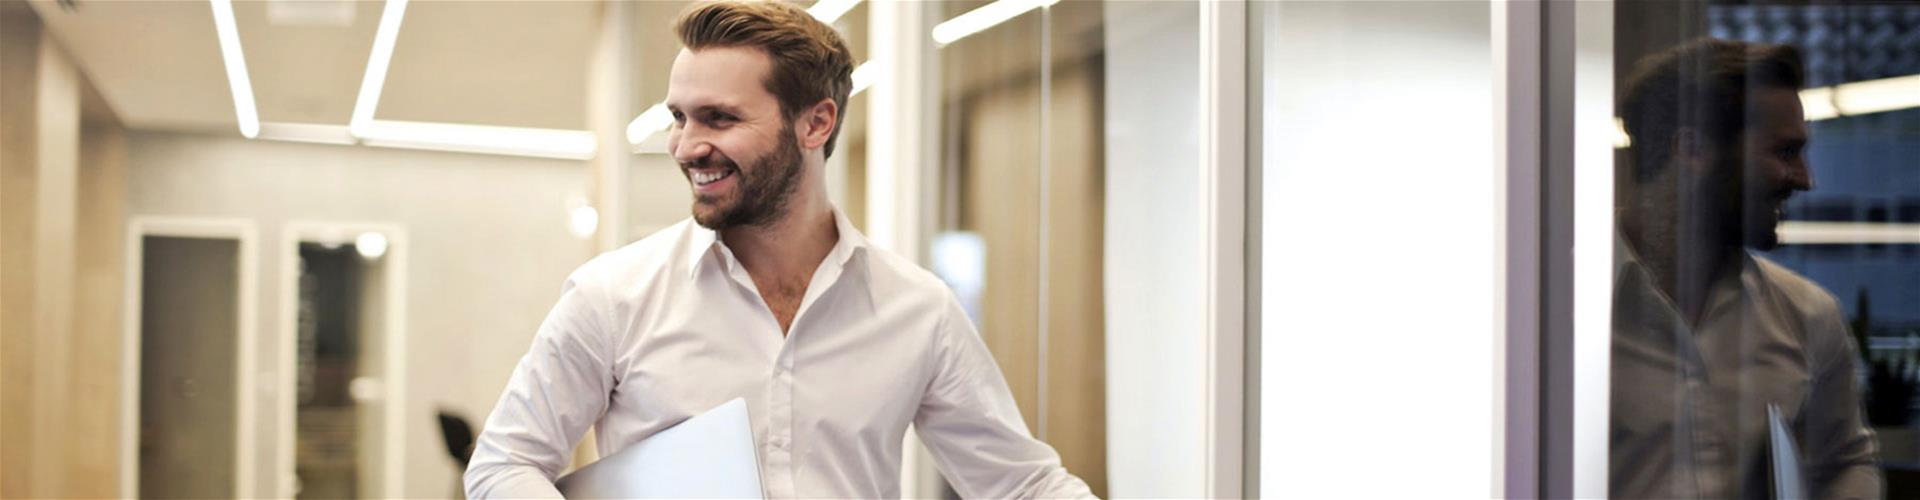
x=969, y=421
x=559, y=389
x=1840, y=447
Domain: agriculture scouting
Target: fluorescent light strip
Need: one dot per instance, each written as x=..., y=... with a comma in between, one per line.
x=1874, y=96
x=485, y=139
x=237, y=79
x=654, y=119
x=828, y=11
x=377, y=63
x=987, y=16
x=306, y=132
x=481, y=139
x=1840, y=233
x=657, y=118
x=863, y=77
x=1817, y=104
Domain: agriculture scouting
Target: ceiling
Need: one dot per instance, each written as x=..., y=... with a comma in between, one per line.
x=510, y=63
x=507, y=63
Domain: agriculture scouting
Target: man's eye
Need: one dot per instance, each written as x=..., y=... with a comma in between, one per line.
x=679, y=117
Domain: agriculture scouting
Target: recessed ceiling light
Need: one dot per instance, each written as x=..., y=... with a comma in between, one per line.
x=371, y=245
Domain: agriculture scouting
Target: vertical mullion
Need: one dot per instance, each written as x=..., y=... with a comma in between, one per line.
x=1517, y=58
x=1223, y=127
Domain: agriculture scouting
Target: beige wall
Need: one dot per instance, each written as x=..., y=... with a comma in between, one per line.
x=98, y=283
x=1001, y=200
x=489, y=249
x=19, y=166
x=61, y=175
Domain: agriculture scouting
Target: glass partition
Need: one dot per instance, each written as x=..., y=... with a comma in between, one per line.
x=1767, y=258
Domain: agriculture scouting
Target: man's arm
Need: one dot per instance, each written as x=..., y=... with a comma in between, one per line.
x=969, y=421
x=559, y=388
x=1840, y=447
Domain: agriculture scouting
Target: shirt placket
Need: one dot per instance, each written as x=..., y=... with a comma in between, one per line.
x=780, y=426
x=1709, y=459
x=776, y=465
x=1713, y=467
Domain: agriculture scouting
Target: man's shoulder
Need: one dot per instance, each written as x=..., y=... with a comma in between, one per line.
x=634, y=261
x=896, y=278
x=1800, y=293
x=1817, y=311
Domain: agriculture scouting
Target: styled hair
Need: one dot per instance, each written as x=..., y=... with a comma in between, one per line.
x=1701, y=85
x=810, y=60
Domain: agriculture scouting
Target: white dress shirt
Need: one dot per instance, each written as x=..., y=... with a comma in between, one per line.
x=670, y=326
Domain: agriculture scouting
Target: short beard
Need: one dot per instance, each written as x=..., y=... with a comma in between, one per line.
x=766, y=186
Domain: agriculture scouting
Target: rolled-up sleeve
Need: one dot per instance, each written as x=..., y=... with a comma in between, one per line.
x=558, y=390
x=969, y=421
x=1840, y=446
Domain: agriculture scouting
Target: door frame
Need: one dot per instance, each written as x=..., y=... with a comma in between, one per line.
x=393, y=367
x=1223, y=165
x=246, y=233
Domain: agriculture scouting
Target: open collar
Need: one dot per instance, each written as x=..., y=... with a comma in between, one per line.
x=705, y=244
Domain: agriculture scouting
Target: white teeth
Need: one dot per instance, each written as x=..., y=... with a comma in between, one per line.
x=704, y=178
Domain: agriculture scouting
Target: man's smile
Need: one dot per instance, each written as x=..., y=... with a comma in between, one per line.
x=709, y=179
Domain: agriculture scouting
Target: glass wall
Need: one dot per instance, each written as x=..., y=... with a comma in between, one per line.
x=1379, y=229
x=1766, y=284
x=1066, y=219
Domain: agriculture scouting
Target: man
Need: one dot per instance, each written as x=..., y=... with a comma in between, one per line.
x=1706, y=335
x=768, y=293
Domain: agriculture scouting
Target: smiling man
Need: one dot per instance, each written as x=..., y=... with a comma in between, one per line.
x=767, y=294
x=1708, y=337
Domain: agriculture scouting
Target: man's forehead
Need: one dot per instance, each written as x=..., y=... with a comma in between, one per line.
x=1777, y=104
x=1777, y=112
x=717, y=76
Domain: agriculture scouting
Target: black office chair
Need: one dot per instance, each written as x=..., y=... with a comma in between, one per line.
x=459, y=437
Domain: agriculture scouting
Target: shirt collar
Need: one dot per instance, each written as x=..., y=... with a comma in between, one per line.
x=703, y=243
x=1631, y=278
x=706, y=244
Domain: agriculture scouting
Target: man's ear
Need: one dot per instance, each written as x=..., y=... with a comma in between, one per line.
x=815, y=125
x=1691, y=151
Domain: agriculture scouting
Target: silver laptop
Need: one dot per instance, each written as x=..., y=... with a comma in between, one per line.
x=711, y=455
x=1788, y=476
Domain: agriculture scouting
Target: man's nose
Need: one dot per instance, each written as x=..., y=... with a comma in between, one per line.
x=1800, y=176
x=687, y=147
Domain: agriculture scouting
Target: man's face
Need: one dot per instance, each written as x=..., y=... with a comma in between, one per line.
x=1774, y=163
x=737, y=150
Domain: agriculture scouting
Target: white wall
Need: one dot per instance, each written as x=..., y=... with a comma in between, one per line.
x=1379, y=250
x=489, y=250
x=657, y=195
x=1155, y=271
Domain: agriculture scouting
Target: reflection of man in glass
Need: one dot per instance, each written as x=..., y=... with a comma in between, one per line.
x=1706, y=335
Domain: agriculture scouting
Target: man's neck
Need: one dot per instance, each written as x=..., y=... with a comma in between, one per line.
x=789, y=247
x=1683, y=257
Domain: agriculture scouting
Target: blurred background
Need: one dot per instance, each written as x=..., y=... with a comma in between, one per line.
x=294, y=248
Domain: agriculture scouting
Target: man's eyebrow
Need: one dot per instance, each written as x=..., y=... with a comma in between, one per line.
x=724, y=107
